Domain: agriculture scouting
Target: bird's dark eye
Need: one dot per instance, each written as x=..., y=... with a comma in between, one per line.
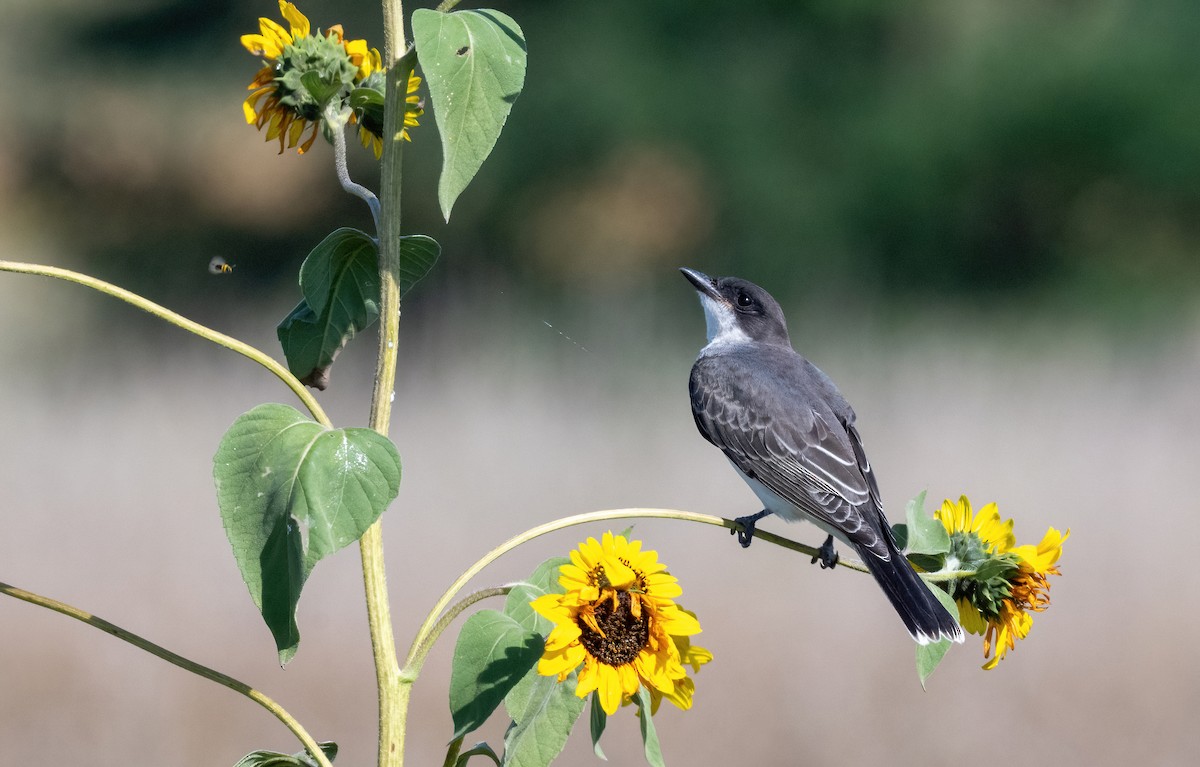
x=744, y=301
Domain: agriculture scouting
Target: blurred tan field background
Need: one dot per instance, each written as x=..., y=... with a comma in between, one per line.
x=1046, y=359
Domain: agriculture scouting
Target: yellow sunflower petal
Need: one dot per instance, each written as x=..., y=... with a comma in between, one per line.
x=259, y=45
x=617, y=573
x=564, y=661
x=562, y=635
x=970, y=618
x=609, y=688
x=297, y=20
x=629, y=680
x=678, y=622
x=249, y=106
x=589, y=677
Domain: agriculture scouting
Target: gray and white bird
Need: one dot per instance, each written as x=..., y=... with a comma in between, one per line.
x=790, y=434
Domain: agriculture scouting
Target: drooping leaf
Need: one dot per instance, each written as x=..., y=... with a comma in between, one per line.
x=649, y=735
x=926, y=535
x=343, y=268
x=543, y=711
x=340, y=283
x=474, y=64
x=543, y=581
x=479, y=749
x=930, y=655
x=599, y=720
x=277, y=759
x=492, y=654
x=292, y=492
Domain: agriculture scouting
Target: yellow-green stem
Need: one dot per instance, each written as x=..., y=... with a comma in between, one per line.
x=393, y=696
x=278, y=711
x=178, y=320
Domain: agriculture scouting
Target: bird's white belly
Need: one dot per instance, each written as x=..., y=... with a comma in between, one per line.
x=785, y=509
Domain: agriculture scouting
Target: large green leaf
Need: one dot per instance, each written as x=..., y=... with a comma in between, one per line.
x=543, y=711
x=474, y=64
x=292, y=492
x=492, y=654
x=340, y=283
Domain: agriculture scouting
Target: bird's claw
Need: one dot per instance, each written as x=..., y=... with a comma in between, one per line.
x=746, y=533
x=827, y=555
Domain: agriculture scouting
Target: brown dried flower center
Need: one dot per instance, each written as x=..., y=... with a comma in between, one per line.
x=625, y=635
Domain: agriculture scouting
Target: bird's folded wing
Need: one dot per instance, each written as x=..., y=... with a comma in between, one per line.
x=798, y=454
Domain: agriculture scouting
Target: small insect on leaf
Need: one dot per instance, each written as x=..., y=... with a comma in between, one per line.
x=462, y=51
x=219, y=265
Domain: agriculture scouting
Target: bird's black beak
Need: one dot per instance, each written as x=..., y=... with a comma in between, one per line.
x=703, y=283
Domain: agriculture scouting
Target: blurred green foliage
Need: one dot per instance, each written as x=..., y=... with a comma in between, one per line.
x=982, y=148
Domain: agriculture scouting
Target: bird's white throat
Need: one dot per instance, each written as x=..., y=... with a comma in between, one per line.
x=721, y=323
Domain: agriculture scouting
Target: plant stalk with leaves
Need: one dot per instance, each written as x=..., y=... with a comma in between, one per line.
x=292, y=489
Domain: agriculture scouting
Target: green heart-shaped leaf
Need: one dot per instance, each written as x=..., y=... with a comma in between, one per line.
x=492, y=654
x=474, y=64
x=292, y=492
x=340, y=282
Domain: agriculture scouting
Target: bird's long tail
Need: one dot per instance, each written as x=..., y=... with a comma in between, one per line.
x=923, y=615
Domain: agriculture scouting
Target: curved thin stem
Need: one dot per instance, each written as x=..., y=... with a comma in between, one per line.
x=178, y=320
x=416, y=654
x=343, y=170
x=225, y=680
x=448, y=617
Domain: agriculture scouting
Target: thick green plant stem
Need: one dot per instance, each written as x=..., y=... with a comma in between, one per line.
x=393, y=696
x=179, y=320
x=276, y=710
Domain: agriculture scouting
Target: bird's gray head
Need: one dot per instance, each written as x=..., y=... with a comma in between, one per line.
x=736, y=310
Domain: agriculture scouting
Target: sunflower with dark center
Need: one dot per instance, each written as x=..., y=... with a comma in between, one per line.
x=619, y=625
x=1009, y=582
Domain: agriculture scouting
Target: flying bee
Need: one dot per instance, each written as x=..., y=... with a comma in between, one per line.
x=219, y=265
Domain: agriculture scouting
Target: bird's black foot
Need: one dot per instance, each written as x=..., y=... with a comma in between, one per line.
x=826, y=554
x=746, y=534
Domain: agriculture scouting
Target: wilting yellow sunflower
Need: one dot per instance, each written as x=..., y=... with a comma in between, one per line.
x=1010, y=581
x=619, y=622
x=302, y=74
